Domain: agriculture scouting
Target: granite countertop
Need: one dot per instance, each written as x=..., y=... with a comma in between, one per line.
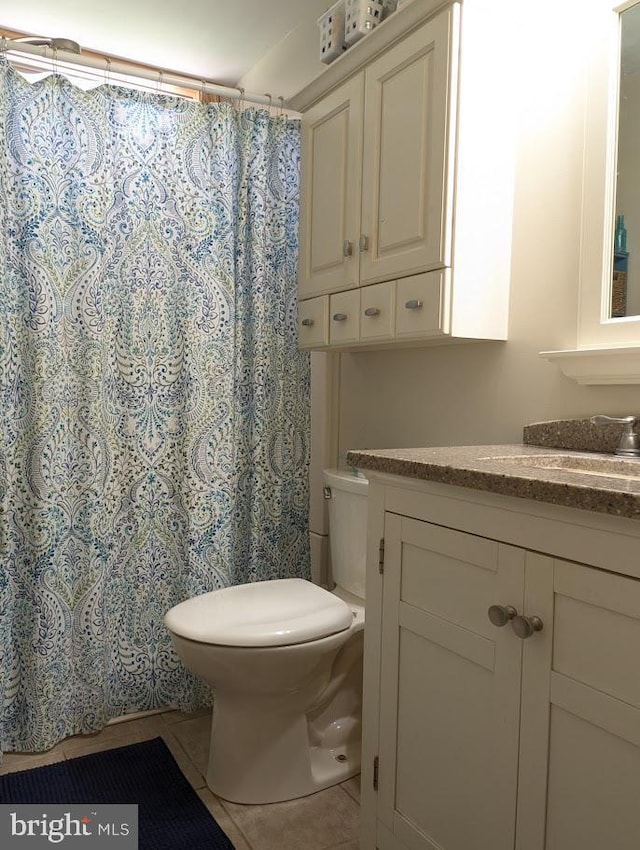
x=595, y=481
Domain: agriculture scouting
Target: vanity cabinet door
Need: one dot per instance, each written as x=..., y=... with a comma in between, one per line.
x=449, y=690
x=579, y=782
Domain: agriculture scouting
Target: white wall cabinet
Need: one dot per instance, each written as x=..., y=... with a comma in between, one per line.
x=391, y=189
x=484, y=739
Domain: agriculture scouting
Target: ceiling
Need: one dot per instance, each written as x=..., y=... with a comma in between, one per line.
x=207, y=39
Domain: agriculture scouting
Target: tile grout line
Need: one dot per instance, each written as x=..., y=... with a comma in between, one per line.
x=235, y=823
x=169, y=731
x=349, y=794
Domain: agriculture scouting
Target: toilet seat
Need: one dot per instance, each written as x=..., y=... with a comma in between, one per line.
x=282, y=612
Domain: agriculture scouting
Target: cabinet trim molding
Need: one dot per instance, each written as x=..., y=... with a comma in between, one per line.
x=359, y=55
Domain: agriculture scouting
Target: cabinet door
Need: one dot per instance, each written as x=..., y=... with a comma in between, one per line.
x=408, y=159
x=580, y=750
x=331, y=181
x=450, y=690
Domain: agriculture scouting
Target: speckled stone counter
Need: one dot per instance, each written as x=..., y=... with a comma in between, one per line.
x=602, y=483
x=578, y=435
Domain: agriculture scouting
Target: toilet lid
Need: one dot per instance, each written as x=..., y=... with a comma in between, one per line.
x=265, y=613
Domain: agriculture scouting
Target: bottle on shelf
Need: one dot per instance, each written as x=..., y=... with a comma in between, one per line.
x=620, y=236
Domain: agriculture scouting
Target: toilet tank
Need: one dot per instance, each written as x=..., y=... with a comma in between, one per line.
x=347, y=528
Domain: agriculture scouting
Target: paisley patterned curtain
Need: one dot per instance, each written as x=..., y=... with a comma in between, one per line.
x=154, y=403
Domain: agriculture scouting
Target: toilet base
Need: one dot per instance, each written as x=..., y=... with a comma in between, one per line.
x=330, y=767
x=242, y=769
x=286, y=769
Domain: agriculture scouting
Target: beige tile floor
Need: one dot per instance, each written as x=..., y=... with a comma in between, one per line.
x=328, y=820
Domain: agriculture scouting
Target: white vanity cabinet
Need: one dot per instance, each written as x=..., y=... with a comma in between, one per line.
x=477, y=738
x=400, y=179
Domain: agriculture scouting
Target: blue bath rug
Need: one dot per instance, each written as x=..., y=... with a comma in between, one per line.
x=170, y=813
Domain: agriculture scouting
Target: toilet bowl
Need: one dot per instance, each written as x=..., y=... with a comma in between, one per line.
x=284, y=658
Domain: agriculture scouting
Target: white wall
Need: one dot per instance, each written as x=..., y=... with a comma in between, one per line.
x=293, y=63
x=486, y=392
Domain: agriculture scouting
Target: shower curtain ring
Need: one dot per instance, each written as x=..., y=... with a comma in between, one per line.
x=266, y=94
x=281, y=99
x=202, y=91
x=4, y=44
x=159, y=82
x=241, y=100
x=107, y=71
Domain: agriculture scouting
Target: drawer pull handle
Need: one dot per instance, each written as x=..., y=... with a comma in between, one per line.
x=347, y=248
x=372, y=311
x=500, y=615
x=524, y=627
x=339, y=317
x=414, y=304
x=307, y=323
x=364, y=243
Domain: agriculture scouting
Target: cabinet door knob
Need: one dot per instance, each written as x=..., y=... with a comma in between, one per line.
x=414, y=304
x=339, y=317
x=501, y=614
x=364, y=243
x=347, y=248
x=307, y=323
x=524, y=627
x=372, y=311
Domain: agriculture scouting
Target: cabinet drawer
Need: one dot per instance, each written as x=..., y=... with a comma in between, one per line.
x=377, y=311
x=313, y=322
x=344, y=317
x=419, y=302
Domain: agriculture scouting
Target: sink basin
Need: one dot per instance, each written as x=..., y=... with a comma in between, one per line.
x=606, y=467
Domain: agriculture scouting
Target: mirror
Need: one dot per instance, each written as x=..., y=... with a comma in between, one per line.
x=625, y=288
x=610, y=188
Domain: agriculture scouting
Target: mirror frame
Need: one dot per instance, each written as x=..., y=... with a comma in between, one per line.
x=595, y=326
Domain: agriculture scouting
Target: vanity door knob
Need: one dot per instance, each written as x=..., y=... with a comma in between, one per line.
x=524, y=627
x=307, y=323
x=347, y=248
x=339, y=317
x=500, y=615
x=414, y=304
x=372, y=311
x=363, y=244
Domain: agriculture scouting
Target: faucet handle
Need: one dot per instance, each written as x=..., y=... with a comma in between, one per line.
x=629, y=445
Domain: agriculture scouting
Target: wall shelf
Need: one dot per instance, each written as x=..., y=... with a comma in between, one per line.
x=597, y=366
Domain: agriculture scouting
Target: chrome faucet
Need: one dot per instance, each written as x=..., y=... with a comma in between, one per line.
x=629, y=445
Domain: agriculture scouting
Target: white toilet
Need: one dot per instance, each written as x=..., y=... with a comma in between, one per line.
x=285, y=660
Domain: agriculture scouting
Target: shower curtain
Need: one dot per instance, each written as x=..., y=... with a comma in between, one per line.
x=155, y=413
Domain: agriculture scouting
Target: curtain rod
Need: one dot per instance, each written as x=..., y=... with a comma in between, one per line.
x=116, y=66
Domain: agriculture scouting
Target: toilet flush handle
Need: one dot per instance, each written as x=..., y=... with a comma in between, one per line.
x=326, y=492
